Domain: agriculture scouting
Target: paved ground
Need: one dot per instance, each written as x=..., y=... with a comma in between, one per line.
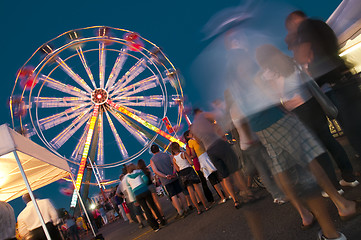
x=260, y=220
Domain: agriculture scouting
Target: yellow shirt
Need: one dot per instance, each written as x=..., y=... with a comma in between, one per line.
x=196, y=146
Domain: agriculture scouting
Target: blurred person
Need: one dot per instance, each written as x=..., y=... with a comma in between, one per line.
x=220, y=153
x=72, y=228
x=7, y=222
x=137, y=182
x=134, y=205
x=162, y=166
x=123, y=208
x=197, y=167
x=255, y=154
x=291, y=147
x=286, y=79
x=29, y=222
x=152, y=188
x=103, y=214
x=315, y=46
x=109, y=210
x=196, y=150
x=183, y=165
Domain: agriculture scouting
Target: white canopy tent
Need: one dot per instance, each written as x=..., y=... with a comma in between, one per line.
x=26, y=166
x=41, y=166
x=346, y=23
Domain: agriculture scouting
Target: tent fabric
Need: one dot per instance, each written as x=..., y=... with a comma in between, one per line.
x=345, y=20
x=346, y=23
x=40, y=165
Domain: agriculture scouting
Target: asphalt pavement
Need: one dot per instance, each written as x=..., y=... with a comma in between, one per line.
x=260, y=220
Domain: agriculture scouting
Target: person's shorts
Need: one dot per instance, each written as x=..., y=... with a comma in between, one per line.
x=189, y=177
x=214, y=178
x=173, y=188
x=289, y=143
x=223, y=158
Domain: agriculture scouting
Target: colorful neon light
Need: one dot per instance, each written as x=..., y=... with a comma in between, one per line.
x=85, y=155
x=145, y=123
x=168, y=125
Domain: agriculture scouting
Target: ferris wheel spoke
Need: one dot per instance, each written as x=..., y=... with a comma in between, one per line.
x=118, y=65
x=66, y=88
x=143, y=101
x=141, y=138
x=79, y=50
x=82, y=164
x=69, y=131
x=140, y=86
x=120, y=144
x=53, y=102
x=102, y=55
x=76, y=155
x=152, y=119
x=132, y=73
x=56, y=119
x=72, y=74
x=100, y=154
x=144, y=123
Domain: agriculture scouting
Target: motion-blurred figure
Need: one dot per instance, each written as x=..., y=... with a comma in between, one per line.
x=29, y=223
x=7, y=222
x=315, y=46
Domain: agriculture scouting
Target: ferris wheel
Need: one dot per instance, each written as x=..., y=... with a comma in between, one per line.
x=99, y=90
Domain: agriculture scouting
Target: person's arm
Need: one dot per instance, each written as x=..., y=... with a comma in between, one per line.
x=175, y=165
x=52, y=212
x=144, y=178
x=22, y=227
x=156, y=171
x=188, y=158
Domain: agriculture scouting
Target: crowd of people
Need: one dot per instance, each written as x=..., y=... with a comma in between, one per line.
x=285, y=138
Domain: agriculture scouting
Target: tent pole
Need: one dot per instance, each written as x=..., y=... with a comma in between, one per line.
x=82, y=204
x=32, y=195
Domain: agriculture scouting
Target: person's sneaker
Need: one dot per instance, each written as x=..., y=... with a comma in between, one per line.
x=349, y=184
x=325, y=195
x=222, y=201
x=156, y=230
x=140, y=225
x=321, y=237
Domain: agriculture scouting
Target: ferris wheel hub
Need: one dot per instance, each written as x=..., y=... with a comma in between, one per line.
x=99, y=96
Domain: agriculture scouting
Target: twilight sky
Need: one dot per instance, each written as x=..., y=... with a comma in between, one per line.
x=173, y=25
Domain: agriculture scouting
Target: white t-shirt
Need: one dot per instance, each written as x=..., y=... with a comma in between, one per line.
x=181, y=161
x=28, y=219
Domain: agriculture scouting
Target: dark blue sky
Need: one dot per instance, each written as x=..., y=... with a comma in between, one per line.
x=173, y=25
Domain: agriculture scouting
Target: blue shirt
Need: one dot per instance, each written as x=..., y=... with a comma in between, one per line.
x=264, y=119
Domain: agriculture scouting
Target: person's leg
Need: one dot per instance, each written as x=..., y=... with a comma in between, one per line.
x=229, y=188
x=142, y=200
x=257, y=154
x=156, y=201
x=177, y=204
x=207, y=192
x=218, y=188
x=153, y=207
x=344, y=206
x=197, y=188
x=288, y=189
x=318, y=208
x=339, y=155
x=193, y=198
